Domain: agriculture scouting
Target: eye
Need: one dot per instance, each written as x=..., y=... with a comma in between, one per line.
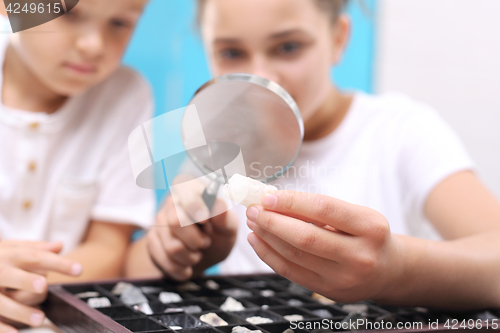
x=289, y=48
x=232, y=54
x=117, y=23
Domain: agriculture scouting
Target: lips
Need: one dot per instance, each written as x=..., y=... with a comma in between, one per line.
x=81, y=68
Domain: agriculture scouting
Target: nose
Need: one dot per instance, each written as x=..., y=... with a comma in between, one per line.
x=263, y=67
x=91, y=43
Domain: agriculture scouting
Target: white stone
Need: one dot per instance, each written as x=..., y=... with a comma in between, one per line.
x=259, y=320
x=213, y=319
x=88, y=294
x=144, y=308
x=294, y=317
x=243, y=329
x=99, y=302
x=168, y=297
x=120, y=287
x=188, y=286
x=356, y=308
x=267, y=293
x=132, y=295
x=211, y=284
x=151, y=290
x=230, y=304
x=246, y=191
x=236, y=292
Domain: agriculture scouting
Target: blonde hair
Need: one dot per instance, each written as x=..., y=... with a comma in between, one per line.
x=333, y=8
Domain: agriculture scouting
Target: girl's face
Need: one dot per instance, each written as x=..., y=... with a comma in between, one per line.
x=81, y=48
x=290, y=42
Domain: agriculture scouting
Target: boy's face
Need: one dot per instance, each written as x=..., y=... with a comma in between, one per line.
x=288, y=41
x=81, y=48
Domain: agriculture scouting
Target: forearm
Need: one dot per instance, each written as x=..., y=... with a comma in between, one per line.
x=101, y=253
x=138, y=263
x=458, y=274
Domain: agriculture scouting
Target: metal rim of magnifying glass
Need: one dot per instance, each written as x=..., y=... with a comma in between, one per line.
x=270, y=85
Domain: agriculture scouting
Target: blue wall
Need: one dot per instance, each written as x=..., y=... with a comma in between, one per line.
x=168, y=52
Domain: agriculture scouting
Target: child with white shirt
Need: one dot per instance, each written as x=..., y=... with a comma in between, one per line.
x=382, y=202
x=68, y=201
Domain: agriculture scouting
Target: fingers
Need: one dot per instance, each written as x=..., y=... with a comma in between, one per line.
x=186, y=193
x=173, y=248
x=30, y=259
x=339, y=214
x=163, y=262
x=178, y=252
x=55, y=247
x=26, y=297
x=303, y=236
x=15, y=278
x=4, y=328
x=191, y=236
x=20, y=313
x=323, y=267
x=284, y=267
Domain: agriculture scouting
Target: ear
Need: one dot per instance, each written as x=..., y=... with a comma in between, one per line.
x=341, y=32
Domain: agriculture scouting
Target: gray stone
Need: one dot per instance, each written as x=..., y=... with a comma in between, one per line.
x=132, y=295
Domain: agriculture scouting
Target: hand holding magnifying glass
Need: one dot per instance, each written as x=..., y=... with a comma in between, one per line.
x=251, y=127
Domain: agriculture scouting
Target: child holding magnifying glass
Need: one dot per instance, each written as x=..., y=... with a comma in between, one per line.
x=387, y=206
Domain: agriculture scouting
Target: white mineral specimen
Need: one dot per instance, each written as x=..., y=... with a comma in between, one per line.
x=192, y=308
x=246, y=191
x=213, y=319
x=243, y=329
x=294, y=317
x=151, y=290
x=322, y=313
x=267, y=293
x=211, y=284
x=230, y=304
x=295, y=302
x=322, y=299
x=132, y=295
x=168, y=297
x=236, y=292
x=144, y=308
x=120, y=287
x=99, y=302
x=188, y=286
x=88, y=294
x=259, y=320
x=356, y=308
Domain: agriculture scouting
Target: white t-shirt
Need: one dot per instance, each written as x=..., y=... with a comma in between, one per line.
x=388, y=154
x=59, y=171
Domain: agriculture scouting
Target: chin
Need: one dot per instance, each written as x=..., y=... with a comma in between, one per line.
x=71, y=88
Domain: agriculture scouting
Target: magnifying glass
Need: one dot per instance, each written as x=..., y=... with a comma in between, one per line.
x=251, y=126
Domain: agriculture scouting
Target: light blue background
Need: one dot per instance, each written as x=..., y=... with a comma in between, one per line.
x=167, y=51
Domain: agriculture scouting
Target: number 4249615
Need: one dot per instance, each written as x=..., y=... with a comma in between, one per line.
x=33, y=8
x=455, y=324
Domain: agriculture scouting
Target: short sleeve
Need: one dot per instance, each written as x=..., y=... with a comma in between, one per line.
x=430, y=152
x=119, y=199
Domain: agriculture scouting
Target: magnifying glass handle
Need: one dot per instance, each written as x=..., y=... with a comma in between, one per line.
x=210, y=194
